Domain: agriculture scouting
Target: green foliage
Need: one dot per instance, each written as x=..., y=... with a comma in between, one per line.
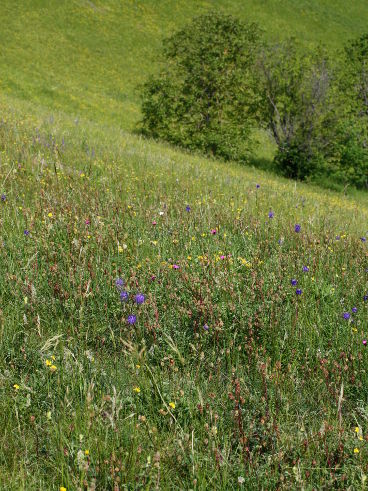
x=298, y=107
x=204, y=97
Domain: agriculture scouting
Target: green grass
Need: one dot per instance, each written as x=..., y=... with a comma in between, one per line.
x=87, y=57
x=273, y=395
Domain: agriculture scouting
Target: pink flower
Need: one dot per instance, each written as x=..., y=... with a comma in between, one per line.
x=87, y=222
x=222, y=257
x=364, y=342
x=175, y=266
x=213, y=231
x=154, y=222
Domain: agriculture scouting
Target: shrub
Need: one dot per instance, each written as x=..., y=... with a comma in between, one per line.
x=296, y=88
x=204, y=97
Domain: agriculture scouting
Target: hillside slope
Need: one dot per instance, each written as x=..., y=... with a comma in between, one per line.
x=87, y=58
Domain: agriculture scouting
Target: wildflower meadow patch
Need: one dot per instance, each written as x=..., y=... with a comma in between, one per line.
x=167, y=321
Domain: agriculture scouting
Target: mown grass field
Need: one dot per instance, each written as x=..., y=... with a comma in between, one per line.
x=246, y=367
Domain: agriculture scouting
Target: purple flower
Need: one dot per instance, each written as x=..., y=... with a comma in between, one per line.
x=363, y=239
x=140, y=298
x=3, y=197
x=305, y=269
x=297, y=228
x=298, y=291
x=346, y=315
x=206, y=327
x=119, y=283
x=26, y=232
x=337, y=237
x=271, y=214
x=258, y=186
x=124, y=296
x=187, y=208
x=354, y=310
x=131, y=319
x=294, y=282
x=365, y=298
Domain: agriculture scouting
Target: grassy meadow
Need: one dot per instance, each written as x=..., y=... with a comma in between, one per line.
x=167, y=321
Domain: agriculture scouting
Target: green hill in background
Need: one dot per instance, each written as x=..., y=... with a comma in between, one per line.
x=86, y=58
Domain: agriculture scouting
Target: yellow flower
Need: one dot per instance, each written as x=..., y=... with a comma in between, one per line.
x=16, y=386
x=172, y=405
x=357, y=429
x=356, y=450
x=25, y=300
x=137, y=390
x=86, y=452
x=48, y=363
x=50, y=215
x=53, y=368
x=62, y=488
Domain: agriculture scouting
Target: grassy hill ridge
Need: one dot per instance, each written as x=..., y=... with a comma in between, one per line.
x=88, y=57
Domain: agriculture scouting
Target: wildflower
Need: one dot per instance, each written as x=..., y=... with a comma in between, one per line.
x=297, y=228
x=356, y=450
x=25, y=300
x=62, y=488
x=337, y=237
x=53, y=368
x=206, y=327
x=161, y=213
x=271, y=214
x=48, y=363
x=187, y=208
x=50, y=215
x=213, y=231
x=294, y=282
x=258, y=186
x=346, y=315
x=305, y=269
x=3, y=197
x=154, y=222
x=172, y=405
x=86, y=452
x=140, y=298
x=16, y=386
x=241, y=480
x=124, y=296
x=363, y=239
x=137, y=390
x=364, y=342
x=176, y=266
x=119, y=282
x=26, y=232
x=131, y=319
x=365, y=298
x=354, y=310
x=298, y=291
